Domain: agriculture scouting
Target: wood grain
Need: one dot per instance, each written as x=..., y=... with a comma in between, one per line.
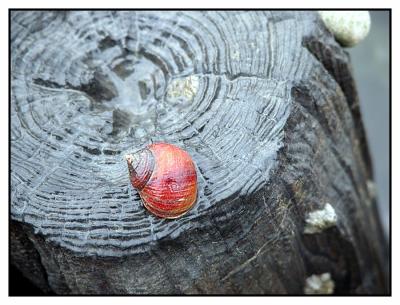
x=263, y=101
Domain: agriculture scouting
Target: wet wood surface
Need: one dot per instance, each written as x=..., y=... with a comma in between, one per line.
x=263, y=101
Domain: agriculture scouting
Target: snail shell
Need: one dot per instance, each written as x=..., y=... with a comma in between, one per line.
x=165, y=177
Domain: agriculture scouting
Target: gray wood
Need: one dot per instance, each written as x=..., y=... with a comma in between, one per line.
x=263, y=101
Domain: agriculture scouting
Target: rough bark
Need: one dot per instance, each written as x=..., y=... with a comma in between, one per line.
x=263, y=101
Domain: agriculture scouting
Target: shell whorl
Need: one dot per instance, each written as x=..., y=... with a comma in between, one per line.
x=141, y=166
x=166, y=179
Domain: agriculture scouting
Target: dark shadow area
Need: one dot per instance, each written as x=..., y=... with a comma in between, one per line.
x=21, y=286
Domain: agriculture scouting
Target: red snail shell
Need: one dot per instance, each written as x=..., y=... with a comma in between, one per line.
x=165, y=177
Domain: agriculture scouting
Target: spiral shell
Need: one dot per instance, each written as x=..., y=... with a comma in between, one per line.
x=166, y=179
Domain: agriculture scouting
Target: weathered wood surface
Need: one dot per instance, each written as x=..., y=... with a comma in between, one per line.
x=263, y=101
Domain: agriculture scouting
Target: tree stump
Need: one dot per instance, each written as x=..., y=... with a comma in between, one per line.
x=266, y=105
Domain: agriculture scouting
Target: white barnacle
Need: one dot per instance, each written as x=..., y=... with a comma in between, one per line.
x=319, y=284
x=348, y=27
x=235, y=55
x=182, y=90
x=319, y=220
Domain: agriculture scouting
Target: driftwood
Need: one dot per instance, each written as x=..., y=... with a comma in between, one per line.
x=263, y=101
